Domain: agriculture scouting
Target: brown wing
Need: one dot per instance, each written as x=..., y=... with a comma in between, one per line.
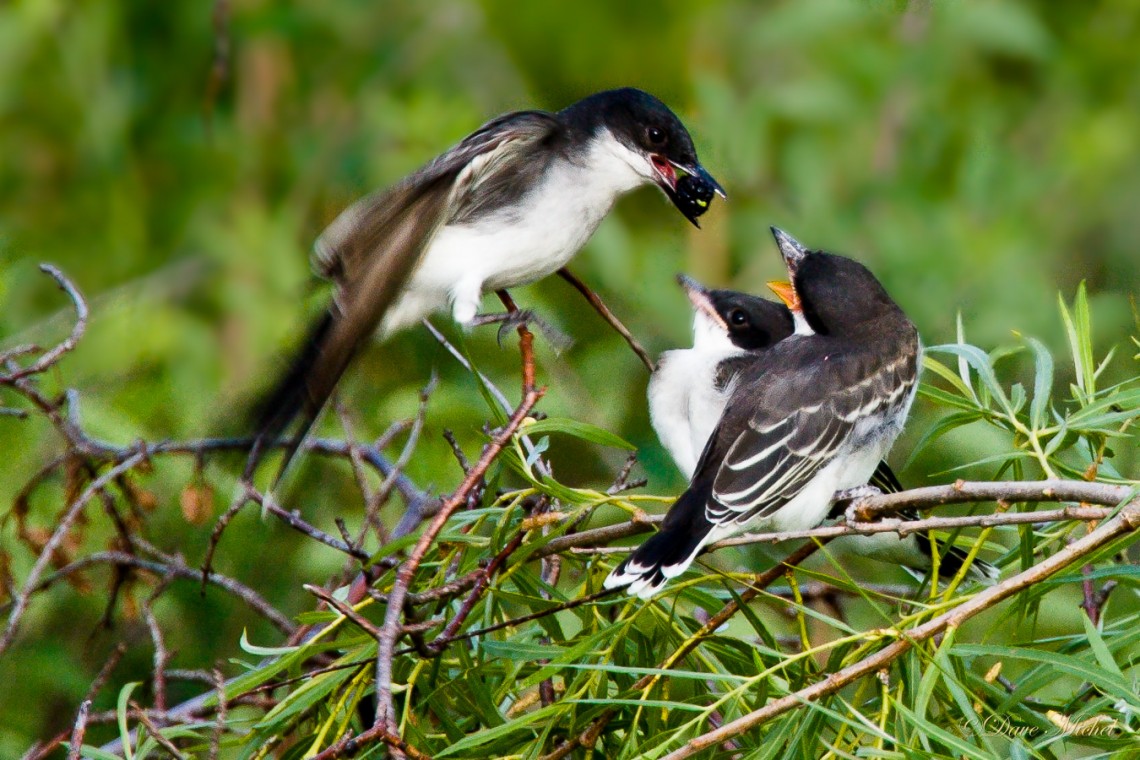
x=372, y=248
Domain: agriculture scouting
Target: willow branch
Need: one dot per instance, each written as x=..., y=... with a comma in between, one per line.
x=385, y=714
x=1127, y=521
x=899, y=526
x=867, y=509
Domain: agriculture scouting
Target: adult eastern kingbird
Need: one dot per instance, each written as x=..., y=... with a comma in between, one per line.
x=808, y=420
x=690, y=388
x=509, y=205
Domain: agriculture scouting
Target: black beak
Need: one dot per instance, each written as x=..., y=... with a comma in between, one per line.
x=701, y=298
x=692, y=193
x=791, y=249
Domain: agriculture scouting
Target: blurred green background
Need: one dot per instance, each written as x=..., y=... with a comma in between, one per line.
x=178, y=159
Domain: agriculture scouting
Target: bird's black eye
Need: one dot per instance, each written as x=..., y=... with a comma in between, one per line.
x=737, y=317
x=655, y=136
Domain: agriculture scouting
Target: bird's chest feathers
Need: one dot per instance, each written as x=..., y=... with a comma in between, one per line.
x=527, y=241
x=687, y=397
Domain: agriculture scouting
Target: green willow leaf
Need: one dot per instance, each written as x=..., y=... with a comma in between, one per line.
x=577, y=429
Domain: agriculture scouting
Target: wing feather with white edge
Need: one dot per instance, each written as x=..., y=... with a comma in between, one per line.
x=777, y=454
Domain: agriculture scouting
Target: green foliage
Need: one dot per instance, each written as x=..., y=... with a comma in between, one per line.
x=1069, y=438
x=1006, y=685
x=978, y=156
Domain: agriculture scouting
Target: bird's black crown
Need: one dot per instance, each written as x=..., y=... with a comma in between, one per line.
x=838, y=293
x=640, y=121
x=752, y=322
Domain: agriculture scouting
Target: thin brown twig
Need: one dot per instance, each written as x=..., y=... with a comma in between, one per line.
x=361, y=622
x=80, y=726
x=622, y=482
x=456, y=450
x=896, y=525
x=961, y=492
x=604, y=311
x=173, y=565
x=78, y=730
x=385, y=713
x=353, y=744
x=540, y=464
x=418, y=511
x=51, y=357
x=54, y=542
x=220, y=714
x=1127, y=521
x=440, y=643
x=161, y=653
x=294, y=521
x=929, y=497
x=148, y=722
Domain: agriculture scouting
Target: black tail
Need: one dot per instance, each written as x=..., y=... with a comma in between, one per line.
x=289, y=400
x=669, y=552
x=885, y=480
x=951, y=559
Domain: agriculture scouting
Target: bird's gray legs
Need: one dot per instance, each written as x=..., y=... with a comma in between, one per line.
x=514, y=317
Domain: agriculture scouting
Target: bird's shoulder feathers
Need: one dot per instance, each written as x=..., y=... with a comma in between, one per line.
x=491, y=160
x=791, y=414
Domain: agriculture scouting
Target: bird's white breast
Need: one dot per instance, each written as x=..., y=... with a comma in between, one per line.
x=684, y=404
x=523, y=242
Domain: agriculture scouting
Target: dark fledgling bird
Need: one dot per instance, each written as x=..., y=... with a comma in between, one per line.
x=507, y=206
x=690, y=388
x=808, y=420
x=915, y=552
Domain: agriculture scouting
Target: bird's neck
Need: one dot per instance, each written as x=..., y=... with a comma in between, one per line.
x=611, y=167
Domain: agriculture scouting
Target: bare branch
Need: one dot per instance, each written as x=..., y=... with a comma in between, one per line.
x=52, y=356
x=173, y=565
x=53, y=543
x=611, y=318
x=895, y=525
x=78, y=730
x=917, y=498
x=385, y=713
x=363, y=623
x=961, y=492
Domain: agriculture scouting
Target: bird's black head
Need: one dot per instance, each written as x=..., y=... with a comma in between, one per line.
x=836, y=294
x=750, y=322
x=646, y=127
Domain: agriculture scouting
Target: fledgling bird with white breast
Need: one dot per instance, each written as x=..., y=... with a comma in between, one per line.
x=807, y=421
x=510, y=204
x=690, y=388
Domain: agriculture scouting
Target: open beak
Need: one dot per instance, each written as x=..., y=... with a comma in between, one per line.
x=700, y=298
x=786, y=292
x=692, y=193
x=791, y=250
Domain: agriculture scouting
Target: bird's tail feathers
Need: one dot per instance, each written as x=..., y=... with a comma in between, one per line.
x=669, y=552
x=289, y=400
x=951, y=559
x=950, y=562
